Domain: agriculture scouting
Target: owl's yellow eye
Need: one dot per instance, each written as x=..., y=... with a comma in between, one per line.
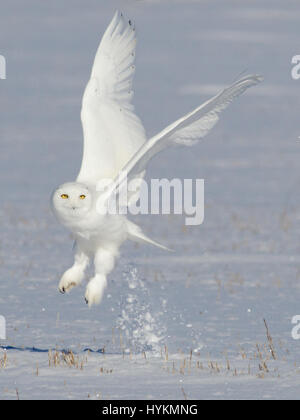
x=64, y=196
x=82, y=197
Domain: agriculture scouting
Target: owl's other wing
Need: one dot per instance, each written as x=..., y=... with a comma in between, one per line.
x=185, y=131
x=112, y=131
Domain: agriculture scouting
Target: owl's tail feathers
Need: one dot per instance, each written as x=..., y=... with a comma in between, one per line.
x=136, y=234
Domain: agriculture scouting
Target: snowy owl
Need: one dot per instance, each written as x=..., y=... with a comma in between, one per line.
x=115, y=147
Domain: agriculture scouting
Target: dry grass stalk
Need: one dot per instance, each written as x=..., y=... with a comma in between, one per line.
x=3, y=361
x=270, y=341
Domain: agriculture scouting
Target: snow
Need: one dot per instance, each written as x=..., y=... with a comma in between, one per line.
x=188, y=324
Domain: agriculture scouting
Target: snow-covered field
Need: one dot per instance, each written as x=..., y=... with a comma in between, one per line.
x=188, y=324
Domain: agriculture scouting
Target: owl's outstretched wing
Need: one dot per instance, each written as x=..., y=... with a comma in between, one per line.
x=185, y=131
x=111, y=130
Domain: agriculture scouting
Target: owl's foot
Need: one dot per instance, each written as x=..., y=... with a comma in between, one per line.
x=95, y=289
x=70, y=279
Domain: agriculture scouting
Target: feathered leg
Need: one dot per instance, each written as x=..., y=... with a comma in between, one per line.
x=74, y=275
x=104, y=263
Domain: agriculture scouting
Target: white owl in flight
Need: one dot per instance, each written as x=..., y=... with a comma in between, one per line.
x=115, y=147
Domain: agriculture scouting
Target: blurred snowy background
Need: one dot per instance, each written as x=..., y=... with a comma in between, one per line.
x=188, y=324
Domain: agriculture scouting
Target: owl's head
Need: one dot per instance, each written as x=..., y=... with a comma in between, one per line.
x=72, y=200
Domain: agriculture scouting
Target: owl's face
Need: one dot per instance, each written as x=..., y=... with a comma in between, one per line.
x=72, y=200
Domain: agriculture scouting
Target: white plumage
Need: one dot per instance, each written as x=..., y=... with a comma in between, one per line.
x=112, y=131
x=115, y=148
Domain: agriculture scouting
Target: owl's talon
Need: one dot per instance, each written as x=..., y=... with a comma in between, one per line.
x=86, y=301
x=70, y=279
